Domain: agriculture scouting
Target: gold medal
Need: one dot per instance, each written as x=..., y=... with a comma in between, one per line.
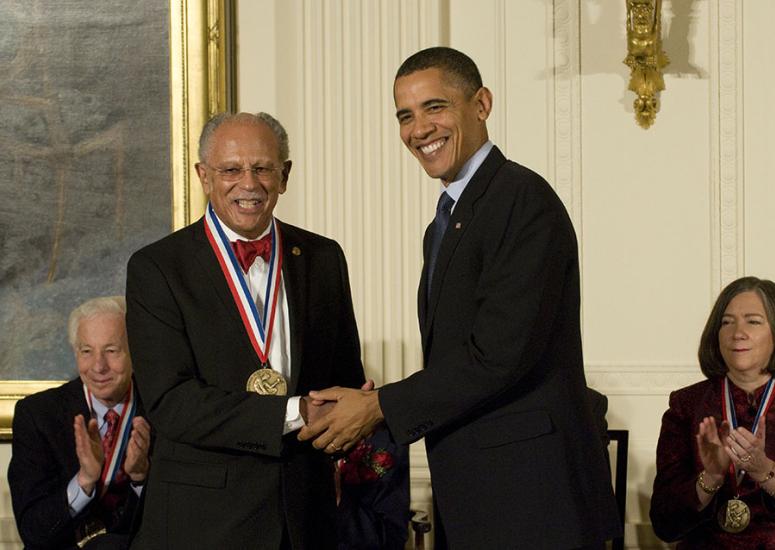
x=266, y=381
x=734, y=516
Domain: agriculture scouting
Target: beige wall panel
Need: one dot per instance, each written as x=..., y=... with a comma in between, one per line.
x=646, y=206
x=759, y=138
x=511, y=43
x=257, y=61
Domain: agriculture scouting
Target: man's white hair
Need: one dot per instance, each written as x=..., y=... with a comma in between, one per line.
x=91, y=308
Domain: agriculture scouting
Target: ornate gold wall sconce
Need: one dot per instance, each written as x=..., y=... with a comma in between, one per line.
x=645, y=57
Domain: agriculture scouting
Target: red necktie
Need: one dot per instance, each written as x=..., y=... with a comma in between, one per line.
x=116, y=493
x=111, y=419
x=247, y=251
x=111, y=433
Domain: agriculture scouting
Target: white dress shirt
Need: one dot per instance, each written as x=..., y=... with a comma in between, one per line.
x=455, y=188
x=280, y=345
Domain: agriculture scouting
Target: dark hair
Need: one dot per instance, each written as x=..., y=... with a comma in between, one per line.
x=455, y=65
x=709, y=354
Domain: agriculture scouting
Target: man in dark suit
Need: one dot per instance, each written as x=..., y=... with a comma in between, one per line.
x=514, y=456
x=227, y=318
x=63, y=491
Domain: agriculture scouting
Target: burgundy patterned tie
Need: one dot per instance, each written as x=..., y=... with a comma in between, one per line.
x=111, y=419
x=116, y=491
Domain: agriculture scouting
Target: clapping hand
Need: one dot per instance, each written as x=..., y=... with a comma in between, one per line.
x=136, y=463
x=88, y=448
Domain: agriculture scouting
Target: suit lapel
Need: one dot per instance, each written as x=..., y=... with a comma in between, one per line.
x=76, y=400
x=458, y=225
x=206, y=257
x=294, y=277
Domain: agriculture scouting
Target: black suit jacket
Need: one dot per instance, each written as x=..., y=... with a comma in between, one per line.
x=223, y=475
x=514, y=456
x=43, y=461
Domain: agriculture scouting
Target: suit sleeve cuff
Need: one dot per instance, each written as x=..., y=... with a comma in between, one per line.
x=76, y=498
x=293, y=419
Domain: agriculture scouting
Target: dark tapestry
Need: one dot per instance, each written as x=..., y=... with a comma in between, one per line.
x=84, y=164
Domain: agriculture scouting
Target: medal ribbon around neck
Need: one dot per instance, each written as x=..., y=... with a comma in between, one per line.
x=258, y=329
x=728, y=408
x=116, y=454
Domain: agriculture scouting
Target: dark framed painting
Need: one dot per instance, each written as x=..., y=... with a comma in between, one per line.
x=100, y=106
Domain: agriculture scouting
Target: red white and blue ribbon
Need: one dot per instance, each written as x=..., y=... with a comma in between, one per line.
x=115, y=456
x=728, y=408
x=258, y=327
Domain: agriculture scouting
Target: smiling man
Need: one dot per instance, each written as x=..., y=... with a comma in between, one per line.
x=230, y=320
x=514, y=456
x=65, y=487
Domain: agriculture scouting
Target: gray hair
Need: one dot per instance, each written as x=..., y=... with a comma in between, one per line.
x=91, y=308
x=221, y=118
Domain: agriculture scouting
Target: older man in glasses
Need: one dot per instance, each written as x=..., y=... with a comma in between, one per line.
x=227, y=319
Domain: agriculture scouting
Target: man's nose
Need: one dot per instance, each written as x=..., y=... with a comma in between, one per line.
x=423, y=127
x=100, y=362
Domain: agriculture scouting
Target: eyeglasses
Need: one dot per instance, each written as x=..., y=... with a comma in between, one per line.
x=233, y=174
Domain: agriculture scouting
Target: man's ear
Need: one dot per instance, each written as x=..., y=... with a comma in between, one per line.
x=287, y=165
x=483, y=99
x=201, y=171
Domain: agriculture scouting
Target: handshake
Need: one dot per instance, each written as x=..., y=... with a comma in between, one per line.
x=337, y=418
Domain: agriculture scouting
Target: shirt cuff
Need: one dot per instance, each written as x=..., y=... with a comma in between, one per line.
x=293, y=419
x=76, y=498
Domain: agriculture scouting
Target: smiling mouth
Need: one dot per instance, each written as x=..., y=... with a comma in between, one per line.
x=248, y=203
x=432, y=147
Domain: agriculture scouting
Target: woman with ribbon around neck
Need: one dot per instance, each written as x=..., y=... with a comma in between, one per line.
x=715, y=481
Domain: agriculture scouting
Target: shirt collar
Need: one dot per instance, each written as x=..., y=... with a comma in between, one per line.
x=99, y=409
x=456, y=188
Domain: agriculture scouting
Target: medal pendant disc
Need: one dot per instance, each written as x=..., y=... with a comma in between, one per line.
x=267, y=382
x=734, y=516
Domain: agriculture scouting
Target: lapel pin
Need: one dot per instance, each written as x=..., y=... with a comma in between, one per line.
x=458, y=225
x=296, y=251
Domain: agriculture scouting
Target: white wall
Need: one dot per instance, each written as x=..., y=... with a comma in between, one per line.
x=665, y=217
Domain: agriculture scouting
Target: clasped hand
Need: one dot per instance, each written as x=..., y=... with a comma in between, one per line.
x=345, y=417
x=720, y=446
